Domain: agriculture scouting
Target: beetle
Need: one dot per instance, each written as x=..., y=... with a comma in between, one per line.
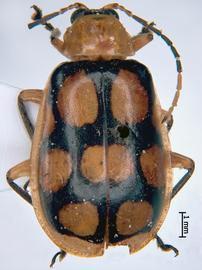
x=100, y=168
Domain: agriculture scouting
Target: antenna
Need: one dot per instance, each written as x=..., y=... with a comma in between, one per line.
x=44, y=19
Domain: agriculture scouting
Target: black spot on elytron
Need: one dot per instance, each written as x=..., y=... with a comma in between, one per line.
x=123, y=131
x=107, y=196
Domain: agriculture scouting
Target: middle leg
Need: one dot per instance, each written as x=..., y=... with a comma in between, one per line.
x=20, y=170
x=168, y=121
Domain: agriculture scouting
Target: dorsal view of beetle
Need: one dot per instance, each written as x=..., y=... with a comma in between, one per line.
x=100, y=171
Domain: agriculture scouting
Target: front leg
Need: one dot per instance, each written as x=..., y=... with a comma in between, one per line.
x=55, y=32
x=58, y=44
x=141, y=40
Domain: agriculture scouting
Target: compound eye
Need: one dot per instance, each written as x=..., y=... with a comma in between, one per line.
x=77, y=13
x=110, y=12
x=82, y=12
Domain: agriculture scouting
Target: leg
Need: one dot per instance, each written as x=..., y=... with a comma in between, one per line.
x=28, y=95
x=180, y=161
x=25, y=186
x=166, y=247
x=168, y=121
x=23, y=169
x=20, y=170
x=59, y=45
x=61, y=255
x=141, y=40
x=55, y=33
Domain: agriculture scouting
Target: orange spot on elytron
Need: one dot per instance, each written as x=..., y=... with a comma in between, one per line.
x=93, y=163
x=154, y=163
x=77, y=100
x=55, y=170
x=80, y=218
x=129, y=100
x=133, y=216
x=114, y=162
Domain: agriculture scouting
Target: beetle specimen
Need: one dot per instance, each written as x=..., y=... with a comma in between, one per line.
x=100, y=169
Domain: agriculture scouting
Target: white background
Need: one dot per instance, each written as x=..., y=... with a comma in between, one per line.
x=26, y=60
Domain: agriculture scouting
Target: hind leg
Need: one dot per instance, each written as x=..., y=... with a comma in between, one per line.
x=31, y=95
x=181, y=162
x=166, y=247
x=61, y=255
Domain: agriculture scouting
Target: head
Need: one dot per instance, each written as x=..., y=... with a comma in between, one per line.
x=95, y=35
